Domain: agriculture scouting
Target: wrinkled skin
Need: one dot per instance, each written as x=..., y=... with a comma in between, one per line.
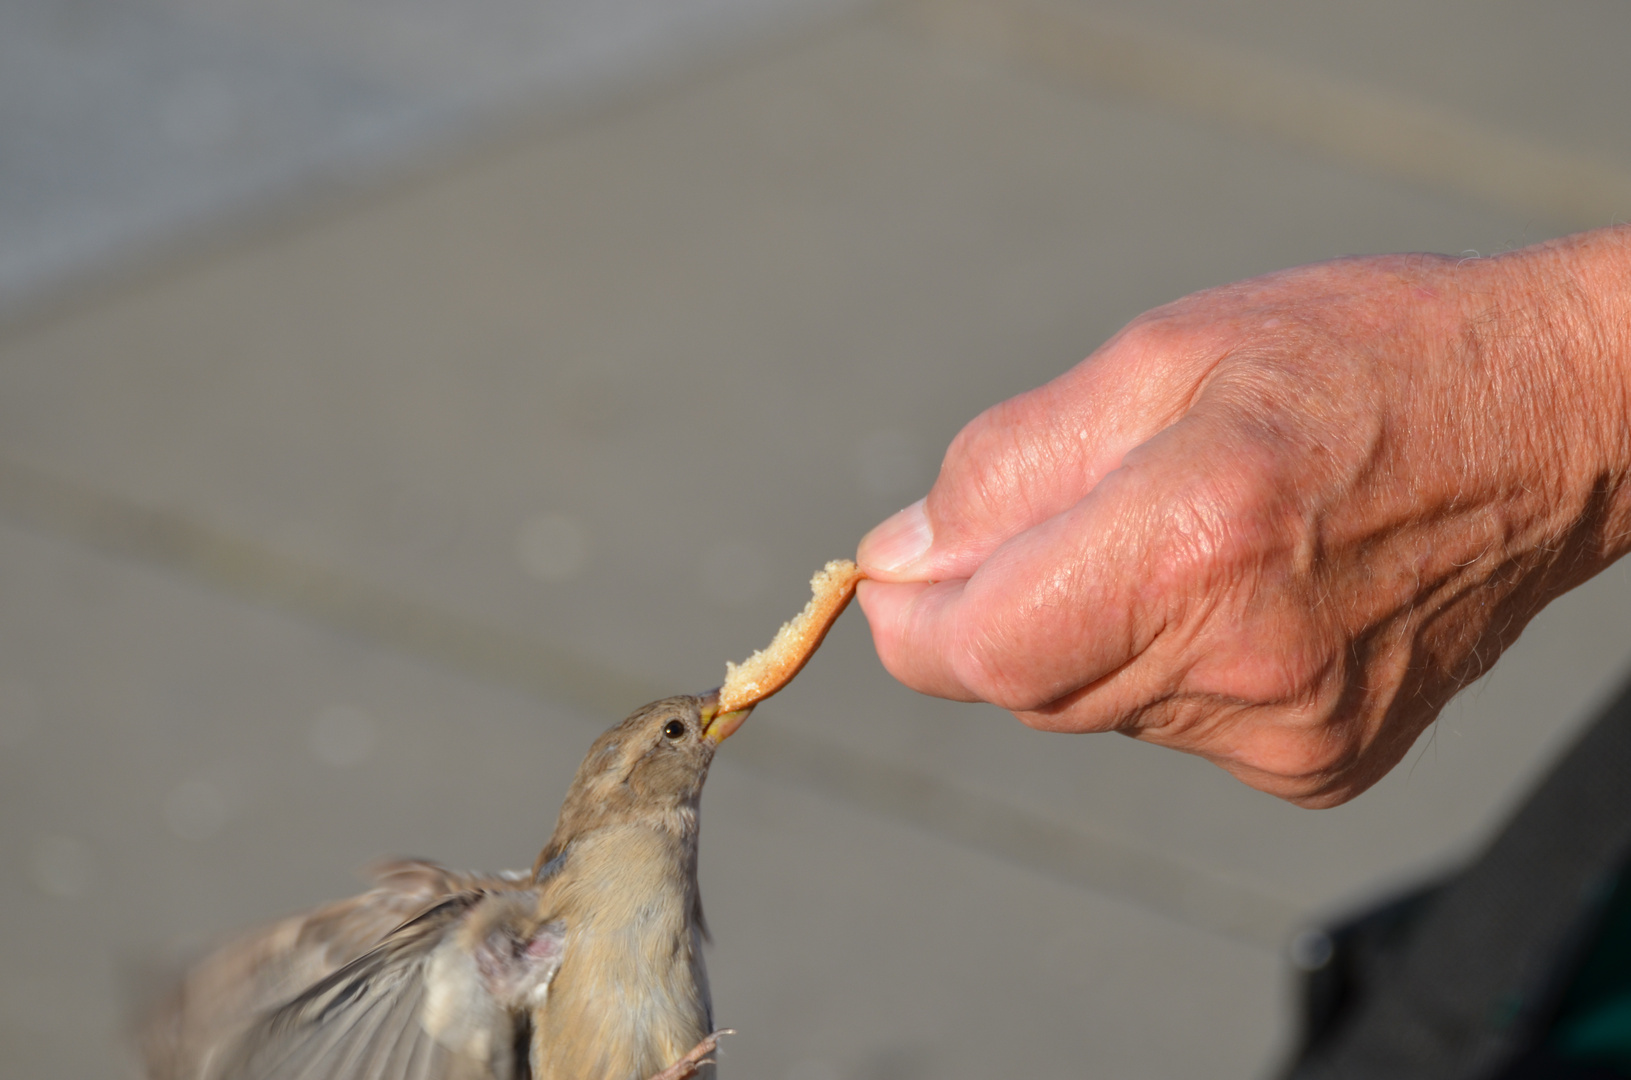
x=1280, y=523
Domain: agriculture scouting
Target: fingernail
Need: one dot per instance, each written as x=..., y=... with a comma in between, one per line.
x=898, y=542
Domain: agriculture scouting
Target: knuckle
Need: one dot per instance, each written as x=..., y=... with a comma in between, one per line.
x=1217, y=532
x=1153, y=333
x=991, y=467
x=1201, y=540
x=970, y=472
x=990, y=443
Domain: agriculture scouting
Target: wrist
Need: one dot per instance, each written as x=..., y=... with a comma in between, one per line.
x=1561, y=312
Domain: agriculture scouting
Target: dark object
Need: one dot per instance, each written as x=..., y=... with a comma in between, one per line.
x=1465, y=978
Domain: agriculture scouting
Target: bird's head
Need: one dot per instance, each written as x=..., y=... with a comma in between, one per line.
x=647, y=770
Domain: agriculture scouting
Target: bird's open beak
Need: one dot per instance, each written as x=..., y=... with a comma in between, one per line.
x=719, y=726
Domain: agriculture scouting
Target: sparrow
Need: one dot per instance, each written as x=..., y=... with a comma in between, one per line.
x=586, y=967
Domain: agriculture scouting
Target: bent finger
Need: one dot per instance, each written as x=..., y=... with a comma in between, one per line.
x=910, y=627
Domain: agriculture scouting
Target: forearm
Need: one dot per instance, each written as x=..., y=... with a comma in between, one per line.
x=1499, y=475
x=1566, y=312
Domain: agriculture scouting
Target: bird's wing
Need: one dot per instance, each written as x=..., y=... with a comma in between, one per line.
x=445, y=996
x=245, y=979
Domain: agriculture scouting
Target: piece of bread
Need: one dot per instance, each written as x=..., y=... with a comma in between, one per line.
x=774, y=666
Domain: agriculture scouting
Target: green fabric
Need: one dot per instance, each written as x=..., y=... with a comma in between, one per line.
x=1595, y=1022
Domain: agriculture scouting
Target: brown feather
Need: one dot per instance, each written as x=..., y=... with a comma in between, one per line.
x=592, y=962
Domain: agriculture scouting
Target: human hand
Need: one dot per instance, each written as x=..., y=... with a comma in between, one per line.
x=1280, y=523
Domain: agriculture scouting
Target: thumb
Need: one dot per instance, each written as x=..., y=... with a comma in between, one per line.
x=1067, y=610
x=1052, y=609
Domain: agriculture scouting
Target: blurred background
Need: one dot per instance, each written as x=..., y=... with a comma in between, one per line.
x=393, y=393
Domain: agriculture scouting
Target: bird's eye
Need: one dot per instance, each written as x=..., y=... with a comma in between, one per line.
x=674, y=729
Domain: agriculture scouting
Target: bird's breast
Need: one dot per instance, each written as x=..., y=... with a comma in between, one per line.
x=631, y=995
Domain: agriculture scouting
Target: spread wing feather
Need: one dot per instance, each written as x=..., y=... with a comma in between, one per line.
x=353, y=1024
x=424, y=976
x=449, y=990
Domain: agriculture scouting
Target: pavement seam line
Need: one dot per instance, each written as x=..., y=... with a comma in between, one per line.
x=254, y=572
x=1358, y=125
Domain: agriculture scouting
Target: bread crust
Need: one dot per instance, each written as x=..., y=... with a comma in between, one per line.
x=773, y=667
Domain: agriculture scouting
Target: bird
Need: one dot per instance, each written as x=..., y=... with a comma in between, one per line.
x=588, y=966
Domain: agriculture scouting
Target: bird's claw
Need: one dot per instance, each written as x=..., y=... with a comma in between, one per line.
x=695, y=1058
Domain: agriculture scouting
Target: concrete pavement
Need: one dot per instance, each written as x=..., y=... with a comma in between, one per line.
x=344, y=539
